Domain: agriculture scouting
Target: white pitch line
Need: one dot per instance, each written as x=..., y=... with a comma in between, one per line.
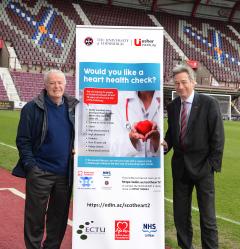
x=218, y=217
x=20, y=194
x=7, y=145
x=15, y=191
x=23, y=196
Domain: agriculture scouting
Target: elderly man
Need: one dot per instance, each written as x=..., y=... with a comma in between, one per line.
x=45, y=140
x=195, y=132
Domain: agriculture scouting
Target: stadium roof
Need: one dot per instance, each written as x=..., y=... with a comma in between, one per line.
x=224, y=10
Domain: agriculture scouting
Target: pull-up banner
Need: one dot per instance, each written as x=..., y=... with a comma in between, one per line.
x=118, y=168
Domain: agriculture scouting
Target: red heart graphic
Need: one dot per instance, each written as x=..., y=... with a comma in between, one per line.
x=143, y=127
x=122, y=225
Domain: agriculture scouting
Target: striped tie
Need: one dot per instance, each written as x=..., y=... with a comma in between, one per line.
x=183, y=122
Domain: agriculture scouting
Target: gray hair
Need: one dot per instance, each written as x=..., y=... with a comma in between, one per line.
x=184, y=69
x=46, y=75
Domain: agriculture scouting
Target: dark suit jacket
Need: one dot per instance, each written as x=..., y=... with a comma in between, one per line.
x=204, y=140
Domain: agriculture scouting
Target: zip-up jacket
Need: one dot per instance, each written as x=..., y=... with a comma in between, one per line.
x=32, y=130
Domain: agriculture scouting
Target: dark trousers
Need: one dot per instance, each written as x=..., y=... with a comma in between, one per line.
x=47, y=202
x=182, y=202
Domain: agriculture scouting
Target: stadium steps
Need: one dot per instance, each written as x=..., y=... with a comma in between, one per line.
x=175, y=46
x=234, y=31
x=235, y=108
x=9, y=85
x=82, y=15
x=3, y=94
x=154, y=20
x=13, y=60
x=169, y=38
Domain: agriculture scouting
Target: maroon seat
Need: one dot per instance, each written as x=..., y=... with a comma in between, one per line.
x=3, y=93
x=194, y=48
x=30, y=84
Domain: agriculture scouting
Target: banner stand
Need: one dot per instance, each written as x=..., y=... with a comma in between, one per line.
x=118, y=167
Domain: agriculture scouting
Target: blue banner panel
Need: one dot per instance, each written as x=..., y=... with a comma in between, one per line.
x=123, y=76
x=118, y=162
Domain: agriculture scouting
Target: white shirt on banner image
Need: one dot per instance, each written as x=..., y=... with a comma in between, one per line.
x=135, y=124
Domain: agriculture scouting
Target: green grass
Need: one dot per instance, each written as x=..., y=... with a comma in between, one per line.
x=227, y=186
x=8, y=128
x=227, y=193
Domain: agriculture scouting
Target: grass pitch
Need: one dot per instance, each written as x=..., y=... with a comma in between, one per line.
x=227, y=183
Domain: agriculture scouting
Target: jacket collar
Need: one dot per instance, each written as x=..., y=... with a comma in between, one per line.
x=39, y=100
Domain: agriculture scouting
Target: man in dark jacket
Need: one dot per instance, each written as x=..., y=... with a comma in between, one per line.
x=196, y=134
x=45, y=142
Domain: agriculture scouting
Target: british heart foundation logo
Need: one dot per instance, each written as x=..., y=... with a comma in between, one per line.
x=122, y=230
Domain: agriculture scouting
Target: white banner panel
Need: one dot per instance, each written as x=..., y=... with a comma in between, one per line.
x=119, y=171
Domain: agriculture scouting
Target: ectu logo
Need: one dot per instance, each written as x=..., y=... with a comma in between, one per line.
x=88, y=41
x=138, y=42
x=89, y=228
x=122, y=230
x=86, y=181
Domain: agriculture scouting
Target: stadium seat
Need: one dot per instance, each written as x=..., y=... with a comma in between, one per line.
x=3, y=93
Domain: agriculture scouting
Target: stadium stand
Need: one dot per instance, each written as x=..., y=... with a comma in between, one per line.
x=42, y=34
x=43, y=37
x=3, y=93
x=100, y=14
x=209, y=42
x=29, y=84
x=171, y=58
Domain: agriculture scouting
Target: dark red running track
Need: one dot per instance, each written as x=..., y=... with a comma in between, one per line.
x=12, y=210
x=11, y=214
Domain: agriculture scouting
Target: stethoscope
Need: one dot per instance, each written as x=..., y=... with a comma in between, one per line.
x=128, y=125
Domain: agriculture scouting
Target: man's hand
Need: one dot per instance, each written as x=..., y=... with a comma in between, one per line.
x=165, y=145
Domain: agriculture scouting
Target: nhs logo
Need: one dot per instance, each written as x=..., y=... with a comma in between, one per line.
x=106, y=173
x=149, y=229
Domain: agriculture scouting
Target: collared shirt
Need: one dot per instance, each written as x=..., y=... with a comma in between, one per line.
x=188, y=103
x=129, y=114
x=150, y=112
x=49, y=99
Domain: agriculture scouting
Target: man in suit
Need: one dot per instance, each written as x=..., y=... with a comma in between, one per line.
x=196, y=134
